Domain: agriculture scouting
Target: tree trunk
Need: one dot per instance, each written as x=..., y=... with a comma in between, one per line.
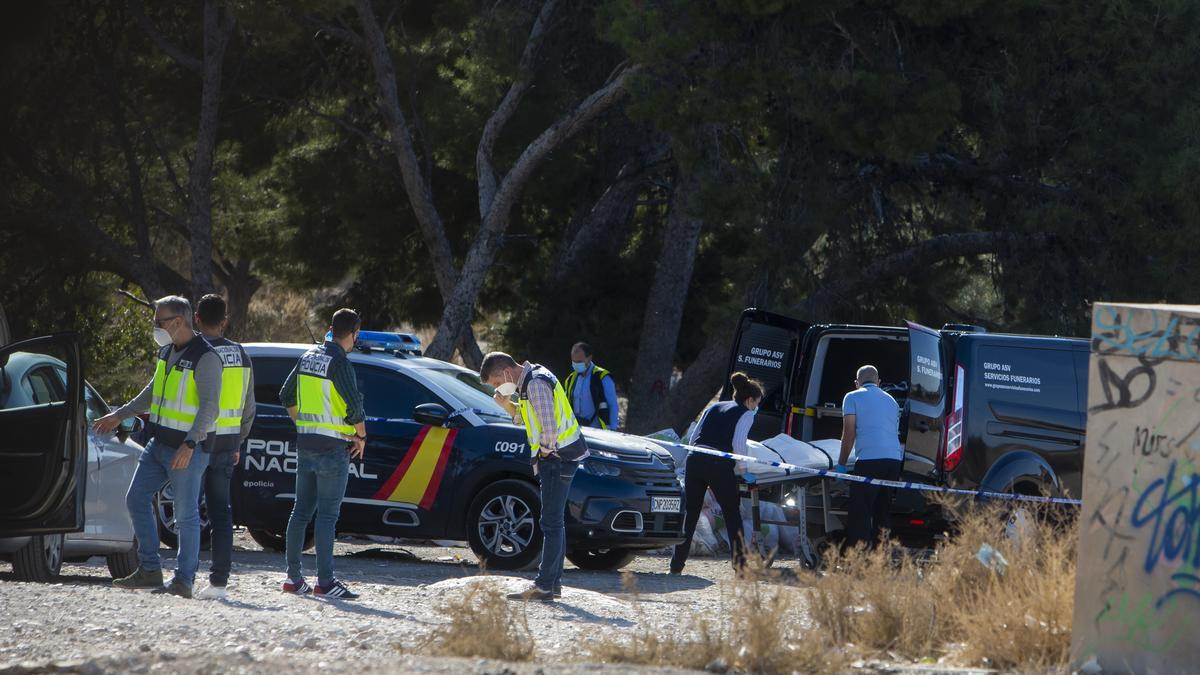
x=239, y=289
x=652, y=371
x=217, y=30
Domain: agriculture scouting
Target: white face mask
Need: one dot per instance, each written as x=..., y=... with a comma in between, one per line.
x=162, y=337
x=507, y=389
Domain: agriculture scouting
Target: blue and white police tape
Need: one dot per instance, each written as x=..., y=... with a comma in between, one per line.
x=899, y=484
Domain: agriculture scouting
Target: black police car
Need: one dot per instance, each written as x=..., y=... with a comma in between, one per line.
x=443, y=461
x=997, y=412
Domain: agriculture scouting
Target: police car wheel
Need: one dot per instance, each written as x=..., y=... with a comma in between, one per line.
x=164, y=512
x=502, y=525
x=274, y=541
x=603, y=560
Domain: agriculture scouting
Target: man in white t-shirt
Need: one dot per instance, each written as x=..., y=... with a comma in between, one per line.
x=870, y=422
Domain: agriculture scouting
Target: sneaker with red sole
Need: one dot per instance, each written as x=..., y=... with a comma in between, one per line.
x=295, y=587
x=336, y=590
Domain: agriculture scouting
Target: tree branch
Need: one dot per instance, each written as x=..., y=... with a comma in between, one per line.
x=187, y=61
x=909, y=261
x=419, y=195
x=134, y=298
x=508, y=106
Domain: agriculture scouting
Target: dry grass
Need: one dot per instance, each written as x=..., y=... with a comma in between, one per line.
x=758, y=629
x=482, y=625
x=886, y=603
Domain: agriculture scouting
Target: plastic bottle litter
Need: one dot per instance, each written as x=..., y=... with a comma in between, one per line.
x=992, y=559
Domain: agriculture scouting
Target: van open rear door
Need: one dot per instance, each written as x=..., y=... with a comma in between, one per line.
x=926, y=401
x=766, y=347
x=43, y=442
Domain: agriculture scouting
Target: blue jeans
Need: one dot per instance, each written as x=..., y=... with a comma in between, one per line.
x=220, y=514
x=555, y=476
x=153, y=470
x=320, y=486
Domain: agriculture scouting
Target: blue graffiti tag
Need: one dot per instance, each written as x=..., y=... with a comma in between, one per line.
x=1176, y=535
x=1179, y=339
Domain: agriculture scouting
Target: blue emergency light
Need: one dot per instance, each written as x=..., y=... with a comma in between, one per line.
x=401, y=343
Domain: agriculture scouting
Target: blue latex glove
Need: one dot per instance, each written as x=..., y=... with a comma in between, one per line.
x=840, y=468
x=749, y=478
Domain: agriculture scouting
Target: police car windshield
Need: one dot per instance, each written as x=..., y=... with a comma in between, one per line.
x=467, y=388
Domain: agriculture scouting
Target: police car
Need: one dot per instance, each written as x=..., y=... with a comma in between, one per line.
x=444, y=461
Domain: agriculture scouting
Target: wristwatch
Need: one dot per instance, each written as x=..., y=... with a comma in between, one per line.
x=360, y=437
x=190, y=443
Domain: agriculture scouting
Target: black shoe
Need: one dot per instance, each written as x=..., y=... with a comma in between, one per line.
x=176, y=587
x=140, y=579
x=558, y=591
x=532, y=593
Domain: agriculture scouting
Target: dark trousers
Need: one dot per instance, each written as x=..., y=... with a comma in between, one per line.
x=701, y=473
x=216, y=496
x=870, y=505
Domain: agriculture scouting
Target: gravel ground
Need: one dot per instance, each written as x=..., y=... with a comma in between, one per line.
x=82, y=624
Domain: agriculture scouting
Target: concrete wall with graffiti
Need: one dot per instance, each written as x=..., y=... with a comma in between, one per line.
x=1137, y=595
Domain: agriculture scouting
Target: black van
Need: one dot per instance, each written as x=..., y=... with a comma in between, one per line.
x=979, y=410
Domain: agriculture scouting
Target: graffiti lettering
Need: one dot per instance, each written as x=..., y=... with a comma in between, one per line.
x=1175, y=537
x=1172, y=336
x=1119, y=390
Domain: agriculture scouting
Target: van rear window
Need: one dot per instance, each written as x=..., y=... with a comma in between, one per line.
x=763, y=354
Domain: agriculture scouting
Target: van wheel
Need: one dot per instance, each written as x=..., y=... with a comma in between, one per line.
x=121, y=565
x=502, y=526
x=602, y=559
x=40, y=559
x=274, y=541
x=164, y=512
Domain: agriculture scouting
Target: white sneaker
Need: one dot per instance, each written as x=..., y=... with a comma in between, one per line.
x=213, y=593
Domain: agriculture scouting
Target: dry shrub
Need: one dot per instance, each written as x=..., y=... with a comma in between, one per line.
x=757, y=629
x=1022, y=617
x=886, y=602
x=482, y=625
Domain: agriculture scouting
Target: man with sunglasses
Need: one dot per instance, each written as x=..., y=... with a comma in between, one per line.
x=182, y=399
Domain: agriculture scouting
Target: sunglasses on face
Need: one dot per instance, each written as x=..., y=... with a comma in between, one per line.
x=160, y=323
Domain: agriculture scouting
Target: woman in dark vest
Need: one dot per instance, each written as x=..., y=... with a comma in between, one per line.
x=724, y=427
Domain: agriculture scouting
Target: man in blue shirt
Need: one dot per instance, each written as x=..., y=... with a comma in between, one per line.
x=591, y=390
x=870, y=422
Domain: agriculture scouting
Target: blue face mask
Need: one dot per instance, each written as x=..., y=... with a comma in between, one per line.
x=580, y=367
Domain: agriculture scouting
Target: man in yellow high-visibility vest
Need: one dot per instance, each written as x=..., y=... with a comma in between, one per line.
x=321, y=394
x=556, y=448
x=234, y=419
x=182, y=400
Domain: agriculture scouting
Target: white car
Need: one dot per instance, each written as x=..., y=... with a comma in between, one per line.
x=62, y=488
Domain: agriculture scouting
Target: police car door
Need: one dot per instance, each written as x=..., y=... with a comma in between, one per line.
x=391, y=491
x=766, y=347
x=926, y=402
x=43, y=442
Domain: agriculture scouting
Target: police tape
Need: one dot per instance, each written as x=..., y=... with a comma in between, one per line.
x=902, y=485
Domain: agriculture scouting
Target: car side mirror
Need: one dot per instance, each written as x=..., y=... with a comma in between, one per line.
x=130, y=427
x=432, y=414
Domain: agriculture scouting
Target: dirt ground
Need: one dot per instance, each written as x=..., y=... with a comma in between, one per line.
x=82, y=624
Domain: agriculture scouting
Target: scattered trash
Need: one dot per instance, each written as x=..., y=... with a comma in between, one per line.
x=992, y=559
x=1019, y=528
x=1091, y=667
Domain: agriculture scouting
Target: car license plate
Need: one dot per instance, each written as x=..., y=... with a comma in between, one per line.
x=666, y=504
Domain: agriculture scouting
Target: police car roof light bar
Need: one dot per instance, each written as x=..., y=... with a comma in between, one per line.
x=396, y=343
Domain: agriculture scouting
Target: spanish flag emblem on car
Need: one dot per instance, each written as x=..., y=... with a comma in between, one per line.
x=417, y=479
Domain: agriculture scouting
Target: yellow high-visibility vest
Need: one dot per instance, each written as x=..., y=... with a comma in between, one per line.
x=235, y=378
x=566, y=427
x=320, y=409
x=176, y=400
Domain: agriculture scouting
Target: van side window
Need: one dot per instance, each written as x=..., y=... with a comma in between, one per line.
x=1029, y=386
x=928, y=381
